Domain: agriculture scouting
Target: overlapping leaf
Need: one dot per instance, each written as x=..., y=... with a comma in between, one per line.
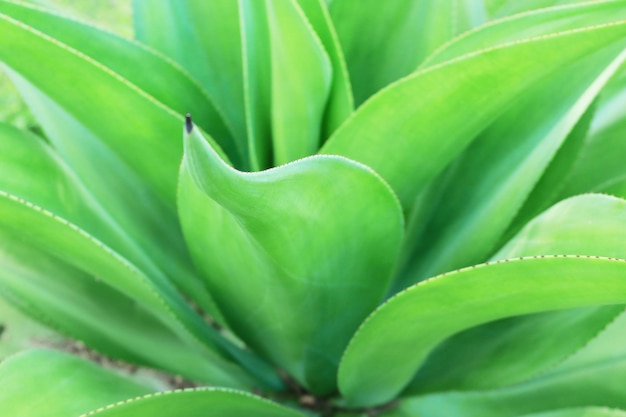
x=100, y=98
x=398, y=38
x=192, y=403
x=301, y=82
x=599, y=168
x=500, y=169
x=522, y=347
x=46, y=383
x=283, y=249
x=47, y=215
x=204, y=37
x=393, y=343
x=411, y=131
x=598, y=385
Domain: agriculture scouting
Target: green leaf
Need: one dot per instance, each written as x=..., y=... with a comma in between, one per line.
x=500, y=169
x=301, y=82
x=410, y=132
x=509, y=7
x=197, y=402
x=128, y=206
x=340, y=102
x=598, y=385
x=395, y=340
x=581, y=412
x=19, y=332
x=523, y=347
x=257, y=89
x=551, y=183
x=398, y=38
x=46, y=383
x=277, y=245
x=85, y=308
x=608, y=346
x=599, y=168
x=405, y=411
x=42, y=202
x=534, y=23
x=103, y=101
x=205, y=38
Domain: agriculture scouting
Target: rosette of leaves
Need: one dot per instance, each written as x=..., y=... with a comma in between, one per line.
x=398, y=210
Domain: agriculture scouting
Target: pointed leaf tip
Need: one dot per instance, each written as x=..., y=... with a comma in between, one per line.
x=188, y=123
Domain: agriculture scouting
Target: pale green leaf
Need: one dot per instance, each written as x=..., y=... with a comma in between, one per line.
x=46, y=383
x=581, y=412
x=600, y=385
x=600, y=168
x=535, y=23
x=499, y=170
x=301, y=82
x=205, y=38
x=411, y=131
x=257, y=88
x=122, y=201
x=19, y=332
x=195, y=403
x=382, y=44
x=103, y=102
x=42, y=201
x=283, y=249
x=340, y=102
x=86, y=308
x=396, y=339
x=509, y=7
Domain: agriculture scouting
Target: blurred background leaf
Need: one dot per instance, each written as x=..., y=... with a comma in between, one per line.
x=113, y=15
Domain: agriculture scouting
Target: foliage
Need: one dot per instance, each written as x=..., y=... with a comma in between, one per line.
x=407, y=211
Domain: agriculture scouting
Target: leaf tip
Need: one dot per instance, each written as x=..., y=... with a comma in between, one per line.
x=188, y=123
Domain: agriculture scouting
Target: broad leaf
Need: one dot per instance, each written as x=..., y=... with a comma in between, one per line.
x=581, y=412
x=522, y=347
x=501, y=8
x=198, y=402
x=600, y=384
x=205, y=38
x=46, y=383
x=534, y=23
x=277, y=245
x=409, y=132
x=396, y=339
x=500, y=169
x=87, y=309
x=398, y=38
x=102, y=101
x=44, y=204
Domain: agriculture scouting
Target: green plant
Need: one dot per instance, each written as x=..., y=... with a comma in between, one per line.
x=467, y=155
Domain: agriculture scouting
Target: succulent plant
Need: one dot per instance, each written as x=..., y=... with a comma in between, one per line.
x=341, y=208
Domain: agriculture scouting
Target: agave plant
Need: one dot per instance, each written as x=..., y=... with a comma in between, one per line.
x=339, y=208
